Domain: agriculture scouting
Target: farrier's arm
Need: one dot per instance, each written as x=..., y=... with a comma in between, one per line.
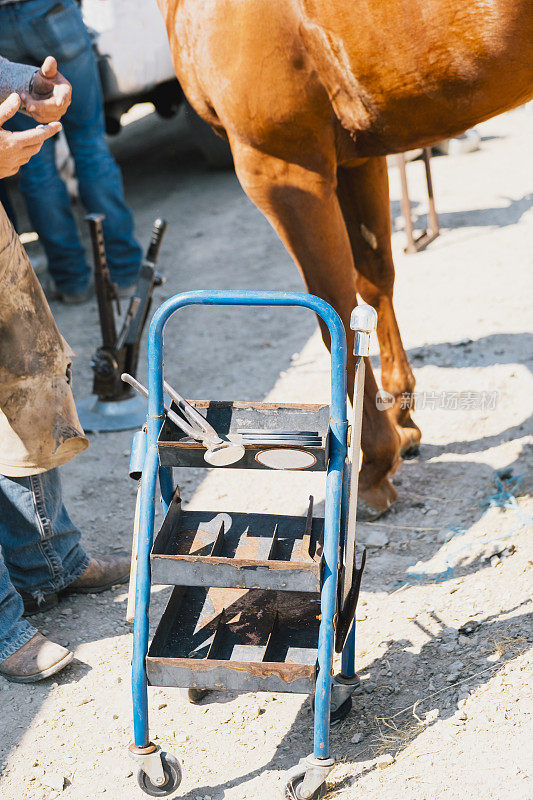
x=44, y=92
x=14, y=78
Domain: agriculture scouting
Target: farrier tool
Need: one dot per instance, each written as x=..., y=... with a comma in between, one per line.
x=114, y=406
x=219, y=452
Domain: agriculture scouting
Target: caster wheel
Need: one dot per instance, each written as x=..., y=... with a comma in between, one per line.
x=340, y=713
x=293, y=785
x=172, y=770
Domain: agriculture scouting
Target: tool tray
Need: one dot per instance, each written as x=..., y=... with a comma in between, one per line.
x=234, y=639
x=258, y=424
x=249, y=551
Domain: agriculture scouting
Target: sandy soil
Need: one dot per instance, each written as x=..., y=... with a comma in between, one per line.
x=441, y=713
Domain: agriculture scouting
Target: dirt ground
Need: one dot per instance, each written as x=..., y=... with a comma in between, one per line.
x=443, y=711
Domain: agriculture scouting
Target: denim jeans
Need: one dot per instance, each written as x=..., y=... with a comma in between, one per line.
x=40, y=551
x=29, y=31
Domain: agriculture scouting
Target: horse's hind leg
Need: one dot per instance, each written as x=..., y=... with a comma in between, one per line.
x=301, y=204
x=363, y=193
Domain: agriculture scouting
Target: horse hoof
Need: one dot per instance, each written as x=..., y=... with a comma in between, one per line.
x=366, y=513
x=411, y=452
x=410, y=437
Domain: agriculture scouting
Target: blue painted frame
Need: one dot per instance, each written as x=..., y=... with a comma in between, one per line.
x=333, y=506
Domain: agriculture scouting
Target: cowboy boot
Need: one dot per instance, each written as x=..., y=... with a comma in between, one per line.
x=37, y=659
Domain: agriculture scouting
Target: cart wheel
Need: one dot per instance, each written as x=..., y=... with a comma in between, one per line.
x=340, y=713
x=172, y=770
x=294, y=783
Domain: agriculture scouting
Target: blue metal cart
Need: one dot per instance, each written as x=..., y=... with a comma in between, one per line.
x=261, y=601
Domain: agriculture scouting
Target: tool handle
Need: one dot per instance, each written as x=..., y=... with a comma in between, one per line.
x=194, y=416
x=176, y=419
x=158, y=230
x=105, y=290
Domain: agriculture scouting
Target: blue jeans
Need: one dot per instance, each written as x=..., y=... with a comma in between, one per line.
x=29, y=31
x=40, y=551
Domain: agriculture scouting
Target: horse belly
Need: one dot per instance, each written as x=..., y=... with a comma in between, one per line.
x=404, y=74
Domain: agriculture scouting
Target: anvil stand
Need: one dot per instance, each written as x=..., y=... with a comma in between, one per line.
x=114, y=405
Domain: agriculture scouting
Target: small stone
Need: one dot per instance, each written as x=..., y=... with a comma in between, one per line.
x=376, y=539
x=431, y=716
x=385, y=760
x=469, y=627
x=457, y=666
x=369, y=687
x=356, y=738
x=54, y=780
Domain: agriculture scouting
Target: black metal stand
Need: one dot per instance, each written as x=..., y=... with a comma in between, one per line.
x=114, y=406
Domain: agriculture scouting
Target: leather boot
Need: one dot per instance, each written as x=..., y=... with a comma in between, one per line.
x=37, y=659
x=33, y=605
x=101, y=574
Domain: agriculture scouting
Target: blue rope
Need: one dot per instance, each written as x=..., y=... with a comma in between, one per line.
x=504, y=498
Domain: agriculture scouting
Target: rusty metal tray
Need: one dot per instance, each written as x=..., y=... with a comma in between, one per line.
x=233, y=418
x=238, y=640
x=248, y=551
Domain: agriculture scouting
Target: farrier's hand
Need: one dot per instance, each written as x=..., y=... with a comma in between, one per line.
x=51, y=93
x=17, y=148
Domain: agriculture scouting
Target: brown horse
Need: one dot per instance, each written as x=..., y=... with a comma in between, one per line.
x=312, y=95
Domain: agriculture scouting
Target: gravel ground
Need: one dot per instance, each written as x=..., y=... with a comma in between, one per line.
x=443, y=711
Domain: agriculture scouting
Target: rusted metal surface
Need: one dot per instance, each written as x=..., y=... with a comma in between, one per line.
x=236, y=639
x=142, y=751
x=263, y=420
x=249, y=551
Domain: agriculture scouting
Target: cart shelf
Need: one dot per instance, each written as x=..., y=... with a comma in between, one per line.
x=238, y=640
x=264, y=427
x=248, y=551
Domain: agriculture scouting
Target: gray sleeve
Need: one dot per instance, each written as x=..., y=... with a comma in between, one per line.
x=14, y=77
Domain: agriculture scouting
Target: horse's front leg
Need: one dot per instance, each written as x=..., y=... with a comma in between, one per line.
x=301, y=203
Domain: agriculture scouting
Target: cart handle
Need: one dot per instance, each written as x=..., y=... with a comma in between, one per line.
x=252, y=298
